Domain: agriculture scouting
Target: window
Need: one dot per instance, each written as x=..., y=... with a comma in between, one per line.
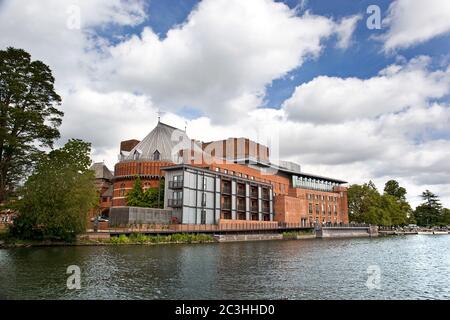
x=317, y=208
x=203, y=199
x=310, y=209
x=178, y=195
x=156, y=155
x=203, y=217
x=217, y=169
x=204, y=183
x=225, y=171
x=122, y=190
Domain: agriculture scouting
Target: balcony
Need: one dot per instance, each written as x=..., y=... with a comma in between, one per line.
x=226, y=206
x=226, y=189
x=265, y=196
x=254, y=208
x=266, y=209
x=176, y=184
x=175, y=203
x=254, y=194
x=241, y=206
x=241, y=192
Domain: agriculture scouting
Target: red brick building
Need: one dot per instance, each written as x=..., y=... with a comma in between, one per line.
x=298, y=197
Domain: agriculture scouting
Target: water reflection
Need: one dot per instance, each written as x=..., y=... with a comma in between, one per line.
x=412, y=267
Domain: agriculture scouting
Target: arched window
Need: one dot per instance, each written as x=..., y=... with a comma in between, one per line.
x=156, y=155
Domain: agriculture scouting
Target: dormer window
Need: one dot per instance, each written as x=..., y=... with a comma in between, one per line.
x=136, y=155
x=156, y=155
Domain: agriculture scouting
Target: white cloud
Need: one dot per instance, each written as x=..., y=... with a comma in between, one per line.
x=415, y=21
x=221, y=59
x=333, y=100
x=345, y=30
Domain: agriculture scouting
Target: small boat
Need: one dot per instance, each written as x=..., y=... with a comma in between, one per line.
x=440, y=232
x=424, y=232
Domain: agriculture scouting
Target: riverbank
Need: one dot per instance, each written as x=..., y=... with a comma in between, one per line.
x=134, y=239
x=101, y=239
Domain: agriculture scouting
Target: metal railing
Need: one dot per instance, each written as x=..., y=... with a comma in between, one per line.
x=176, y=184
x=175, y=203
x=226, y=190
x=226, y=206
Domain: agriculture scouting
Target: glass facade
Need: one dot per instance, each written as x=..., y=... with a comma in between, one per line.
x=313, y=184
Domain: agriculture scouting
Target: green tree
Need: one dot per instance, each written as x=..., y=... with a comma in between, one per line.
x=28, y=115
x=361, y=198
x=57, y=197
x=430, y=212
x=393, y=188
x=137, y=197
x=367, y=205
x=151, y=196
x=446, y=217
x=398, y=208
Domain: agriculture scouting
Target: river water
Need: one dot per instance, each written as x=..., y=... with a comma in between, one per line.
x=402, y=267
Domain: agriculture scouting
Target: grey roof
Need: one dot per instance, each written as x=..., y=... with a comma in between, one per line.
x=165, y=139
x=101, y=171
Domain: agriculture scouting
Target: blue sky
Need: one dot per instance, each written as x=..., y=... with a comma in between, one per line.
x=364, y=60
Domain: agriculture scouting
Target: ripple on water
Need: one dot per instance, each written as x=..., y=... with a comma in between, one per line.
x=412, y=267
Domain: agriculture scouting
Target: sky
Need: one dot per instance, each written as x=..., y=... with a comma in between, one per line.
x=355, y=90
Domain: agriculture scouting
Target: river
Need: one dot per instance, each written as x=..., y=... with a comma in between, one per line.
x=402, y=267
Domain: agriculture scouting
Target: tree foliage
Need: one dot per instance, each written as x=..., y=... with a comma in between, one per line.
x=28, y=115
x=430, y=212
x=56, y=198
x=367, y=205
x=137, y=197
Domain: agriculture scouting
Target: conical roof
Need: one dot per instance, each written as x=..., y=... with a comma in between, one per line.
x=162, y=143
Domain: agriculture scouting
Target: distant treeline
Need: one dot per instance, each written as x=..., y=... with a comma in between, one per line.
x=368, y=205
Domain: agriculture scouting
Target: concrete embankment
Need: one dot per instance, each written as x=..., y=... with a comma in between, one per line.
x=347, y=232
x=248, y=237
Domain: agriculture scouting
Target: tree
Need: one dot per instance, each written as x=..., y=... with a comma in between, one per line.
x=367, y=205
x=399, y=208
x=446, y=217
x=137, y=197
x=430, y=212
x=360, y=200
x=150, y=198
x=56, y=198
x=393, y=188
x=28, y=115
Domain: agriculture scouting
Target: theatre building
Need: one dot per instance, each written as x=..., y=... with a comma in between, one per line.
x=227, y=180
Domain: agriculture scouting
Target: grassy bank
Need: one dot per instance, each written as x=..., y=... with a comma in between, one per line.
x=9, y=242
x=297, y=234
x=149, y=239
